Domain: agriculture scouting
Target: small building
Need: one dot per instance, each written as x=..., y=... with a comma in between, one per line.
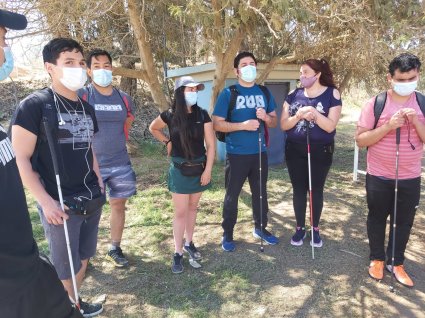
x=281, y=80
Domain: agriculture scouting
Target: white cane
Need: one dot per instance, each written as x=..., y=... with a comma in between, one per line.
x=65, y=226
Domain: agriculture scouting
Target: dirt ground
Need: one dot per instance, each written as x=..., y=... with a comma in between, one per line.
x=283, y=281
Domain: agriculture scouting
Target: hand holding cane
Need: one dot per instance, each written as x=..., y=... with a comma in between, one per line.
x=65, y=226
x=394, y=225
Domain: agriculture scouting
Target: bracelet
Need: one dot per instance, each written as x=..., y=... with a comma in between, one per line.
x=166, y=142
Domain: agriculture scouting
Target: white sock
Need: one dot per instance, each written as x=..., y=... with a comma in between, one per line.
x=113, y=247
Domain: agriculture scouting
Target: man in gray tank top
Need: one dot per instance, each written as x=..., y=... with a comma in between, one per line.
x=114, y=112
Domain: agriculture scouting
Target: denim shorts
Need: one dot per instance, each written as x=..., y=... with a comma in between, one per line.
x=82, y=230
x=120, y=181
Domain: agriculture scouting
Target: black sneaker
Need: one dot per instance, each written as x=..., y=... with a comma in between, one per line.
x=193, y=252
x=90, y=310
x=117, y=257
x=177, y=267
x=299, y=236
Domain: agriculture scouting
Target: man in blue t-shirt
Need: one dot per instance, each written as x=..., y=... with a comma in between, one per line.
x=114, y=114
x=246, y=125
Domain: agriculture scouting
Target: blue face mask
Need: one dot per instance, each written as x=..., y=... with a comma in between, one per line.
x=248, y=73
x=405, y=89
x=7, y=66
x=191, y=98
x=102, y=77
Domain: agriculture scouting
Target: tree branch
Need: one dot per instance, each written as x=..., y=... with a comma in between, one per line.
x=273, y=62
x=131, y=73
x=257, y=11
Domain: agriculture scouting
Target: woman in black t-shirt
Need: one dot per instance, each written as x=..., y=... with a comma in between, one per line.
x=191, y=164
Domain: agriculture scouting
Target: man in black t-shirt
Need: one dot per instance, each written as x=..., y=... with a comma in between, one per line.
x=29, y=286
x=72, y=125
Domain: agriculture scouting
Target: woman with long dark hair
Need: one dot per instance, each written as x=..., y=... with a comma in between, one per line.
x=317, y=103
x=189, y=174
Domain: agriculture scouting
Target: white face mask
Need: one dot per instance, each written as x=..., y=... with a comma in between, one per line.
x=404, y=89
x=73, y=78
x=191, y=98
x=102, y=77
x=248, y=73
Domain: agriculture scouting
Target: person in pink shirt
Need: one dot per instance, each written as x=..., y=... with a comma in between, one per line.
x=402, y=111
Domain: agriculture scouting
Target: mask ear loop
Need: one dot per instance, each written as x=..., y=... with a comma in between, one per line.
x=408, y=132
x=88, y=149
x=61, y=121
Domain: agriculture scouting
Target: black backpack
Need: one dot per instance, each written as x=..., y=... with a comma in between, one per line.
x=380, y=100
x=221, y=136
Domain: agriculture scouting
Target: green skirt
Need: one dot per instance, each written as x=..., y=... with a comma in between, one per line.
x=178, y=183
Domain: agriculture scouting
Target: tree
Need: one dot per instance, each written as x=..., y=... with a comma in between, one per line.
x=357, y=37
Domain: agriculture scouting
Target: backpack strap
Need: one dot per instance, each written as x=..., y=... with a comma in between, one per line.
x=266, y=93
x=85, y=97
x=49, y=112
x=420, y=98
x=232, y=103
x=378, y=106
x=129, y=114
x=125, y=102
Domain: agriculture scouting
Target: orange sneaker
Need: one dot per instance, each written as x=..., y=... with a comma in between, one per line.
x=376, y=269
x=401, y=275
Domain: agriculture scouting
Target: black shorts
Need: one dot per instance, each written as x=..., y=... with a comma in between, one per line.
x=45, y=298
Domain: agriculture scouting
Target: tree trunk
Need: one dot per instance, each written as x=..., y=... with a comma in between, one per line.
x=224, y=58
x=345, y=82
x=146, y=55
x=131, y=73
x=128, y=84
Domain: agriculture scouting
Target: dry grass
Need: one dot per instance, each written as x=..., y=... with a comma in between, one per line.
x=281, y=282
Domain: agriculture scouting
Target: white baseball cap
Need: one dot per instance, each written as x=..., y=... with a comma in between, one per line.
x=189, y=82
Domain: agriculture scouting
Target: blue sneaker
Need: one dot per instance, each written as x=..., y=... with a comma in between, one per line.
x=299, y=236
x=266, y=235
x=227, y=244
x=317, y=241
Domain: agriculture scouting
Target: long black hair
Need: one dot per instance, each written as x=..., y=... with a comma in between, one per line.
x=180, y=122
